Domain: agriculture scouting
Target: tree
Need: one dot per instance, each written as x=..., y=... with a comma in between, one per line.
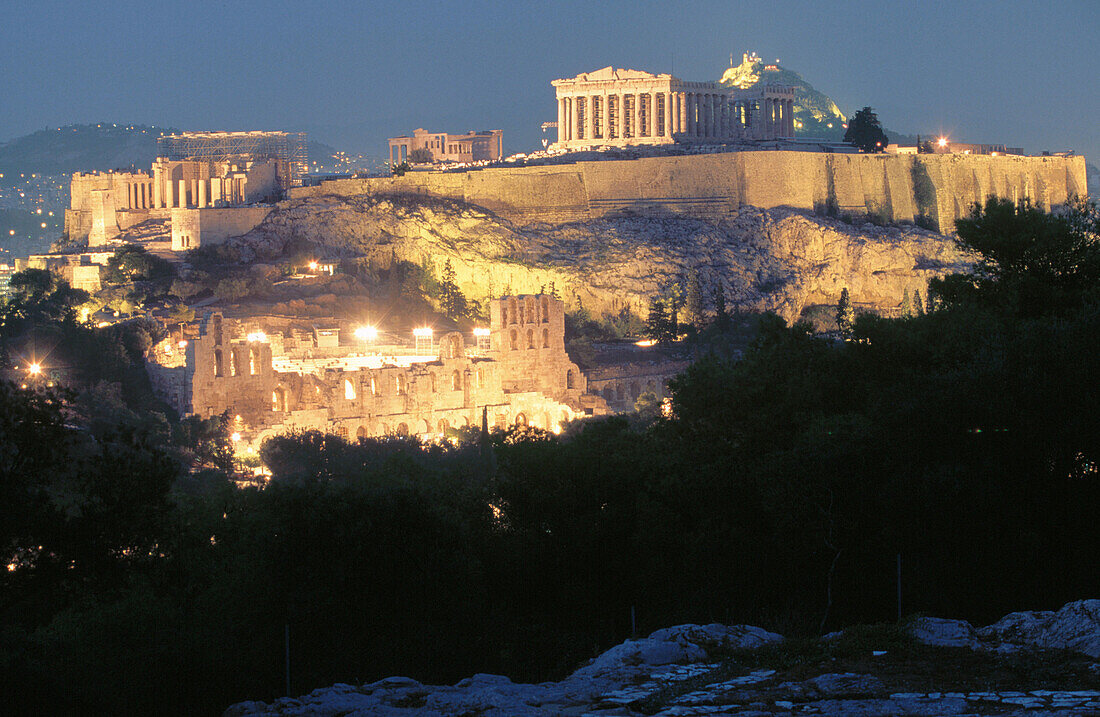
x=658, y=325
x=918, y=305
x=420, y=156
x=1032, y=263
x=452, y=302
x=906, y=304
x=865, y=132
x=694, y=300
x=845, y=314
x=721, y=313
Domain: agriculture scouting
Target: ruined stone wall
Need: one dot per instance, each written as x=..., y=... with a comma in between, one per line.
x=533, y=384
x=895, y=188
x=194, y=227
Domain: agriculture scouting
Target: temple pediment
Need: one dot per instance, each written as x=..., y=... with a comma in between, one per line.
x=610, y=73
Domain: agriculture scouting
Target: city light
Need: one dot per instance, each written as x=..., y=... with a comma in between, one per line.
x=941, y=142
x=257, y=336
x=366, y=333
x=312, y=266
x=34, y=369
x=235, y=437
x=422, y=332
x=182, y=343
x=481, y=332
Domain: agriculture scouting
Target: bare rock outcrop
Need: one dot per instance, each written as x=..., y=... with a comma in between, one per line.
x=685, y=670
x=778, y=259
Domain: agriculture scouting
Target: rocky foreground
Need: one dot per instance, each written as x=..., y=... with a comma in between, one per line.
x=1028, y=663
x=780, y=260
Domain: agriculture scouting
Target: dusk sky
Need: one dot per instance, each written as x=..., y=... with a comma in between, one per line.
x=352, y=73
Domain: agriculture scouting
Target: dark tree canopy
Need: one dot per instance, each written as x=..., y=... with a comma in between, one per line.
x=865, y=132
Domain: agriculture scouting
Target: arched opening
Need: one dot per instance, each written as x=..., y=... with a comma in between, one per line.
x=570, y=379
x=521, y=419
x=217, y=330
x=402, y=383
x=373, y=386
x=349, y=389
x=443, y=426
x=456, y=381
x=279, y=399
x=422, y=427
x=635, y=390
x=620, y=394
x=432, y=381
x=253, y=361
x=545, y=309
x=402, y=429
x=232, y=362
x=360, y=433
x=452, y=348
x=530, y=338
x=513, y=311
x=608, y=394
x=217, y=363
x=513, y=338
x=532, y=311
x=546, y=338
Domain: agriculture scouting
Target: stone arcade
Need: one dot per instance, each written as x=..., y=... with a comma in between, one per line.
x=631, y=107
x=274, y=380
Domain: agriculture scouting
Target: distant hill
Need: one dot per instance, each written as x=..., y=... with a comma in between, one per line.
x=815, y=114
x=81, y=148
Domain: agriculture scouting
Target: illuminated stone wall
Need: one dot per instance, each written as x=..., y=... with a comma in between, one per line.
x=897, y=188
x=529, y=381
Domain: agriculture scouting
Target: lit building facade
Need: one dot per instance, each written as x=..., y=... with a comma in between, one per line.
x=615, y=107
x=443, y=147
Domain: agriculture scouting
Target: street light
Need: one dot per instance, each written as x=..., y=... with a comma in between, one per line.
x=942, y=142
x=366, y=333
x=34, y=369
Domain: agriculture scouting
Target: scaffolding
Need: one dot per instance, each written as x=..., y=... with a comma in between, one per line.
x=288, y=149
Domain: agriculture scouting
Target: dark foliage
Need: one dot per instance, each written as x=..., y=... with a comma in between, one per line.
x=781, y=493
x=865, y=132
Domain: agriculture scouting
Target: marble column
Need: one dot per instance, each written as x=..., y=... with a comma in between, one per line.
x=202, y=193
x=790, y=125
x=169, y=194
x=577, y=120
x=561, y=119
x=589, y=118
x=651, y=115
x=183, y=194
x=681, y=113
x=156, y=189
x=636, y=116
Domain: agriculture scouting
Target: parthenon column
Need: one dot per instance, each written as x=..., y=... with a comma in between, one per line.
x=576, y=130
x=651, y=115
x=202, y=193
x=636, y=116
x=589, y=118
x=692, y=114
x=157, y=189
x=183, y=194
x=561, y=119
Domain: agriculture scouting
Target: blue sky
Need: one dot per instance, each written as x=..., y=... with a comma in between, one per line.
x=353, y=73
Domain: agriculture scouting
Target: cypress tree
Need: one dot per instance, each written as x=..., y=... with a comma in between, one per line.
x=845, y=314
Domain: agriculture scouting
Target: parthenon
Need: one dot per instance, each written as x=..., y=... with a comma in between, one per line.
x=631, y=107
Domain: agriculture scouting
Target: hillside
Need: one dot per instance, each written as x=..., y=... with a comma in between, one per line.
x=779, y=260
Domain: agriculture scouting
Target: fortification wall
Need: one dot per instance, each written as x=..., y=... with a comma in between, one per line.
x=937, y=188
x=194, y=227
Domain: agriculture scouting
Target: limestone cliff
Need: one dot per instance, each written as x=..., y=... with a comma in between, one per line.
x=777, y=259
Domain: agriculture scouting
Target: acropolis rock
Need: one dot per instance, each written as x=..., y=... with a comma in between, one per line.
x=777, y=259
